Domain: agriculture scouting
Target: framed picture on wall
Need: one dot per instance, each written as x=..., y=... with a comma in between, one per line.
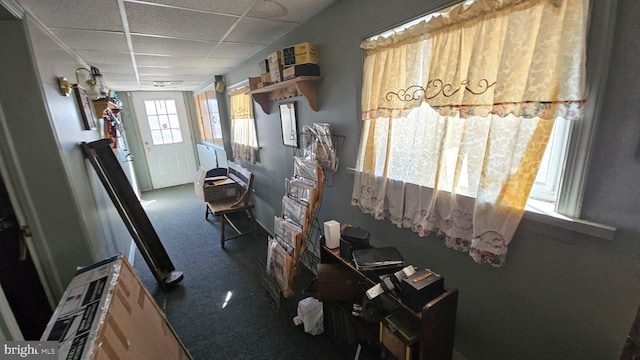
x=86, y=113
x=289, y=125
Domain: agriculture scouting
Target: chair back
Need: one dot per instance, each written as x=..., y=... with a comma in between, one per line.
x=244, y=179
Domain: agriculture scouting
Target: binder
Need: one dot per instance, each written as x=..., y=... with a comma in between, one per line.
x=377, y=258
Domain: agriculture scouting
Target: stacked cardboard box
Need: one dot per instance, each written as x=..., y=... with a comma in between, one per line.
x=106, y=313
x=276, y=65
x=296, y=60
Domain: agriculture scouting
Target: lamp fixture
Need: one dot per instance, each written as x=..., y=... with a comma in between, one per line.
x=65, y=86
x=93, y=86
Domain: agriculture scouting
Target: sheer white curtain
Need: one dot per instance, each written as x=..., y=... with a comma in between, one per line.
x=244, y=142
x=457, y=112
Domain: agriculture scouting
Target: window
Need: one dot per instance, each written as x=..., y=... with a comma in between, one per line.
x=209, y=117
x=545, y=188
x=244, y=142
x=455, y=122
x=164, y=124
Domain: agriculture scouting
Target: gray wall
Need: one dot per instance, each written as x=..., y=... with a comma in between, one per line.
x=71, y=216
x=552, y=299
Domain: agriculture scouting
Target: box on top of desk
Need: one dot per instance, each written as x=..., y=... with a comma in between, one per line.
x=300, y=54
x=215, y=188
x=106, y=313
x=218, y=189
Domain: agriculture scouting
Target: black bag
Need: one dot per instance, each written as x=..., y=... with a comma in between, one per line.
x=353, y=238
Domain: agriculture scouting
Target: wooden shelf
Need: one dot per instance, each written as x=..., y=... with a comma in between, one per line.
x=299, y=86
x=437, y=318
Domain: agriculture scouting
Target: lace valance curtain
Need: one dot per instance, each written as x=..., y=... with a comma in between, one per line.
x=457, y=112
x=243, y=131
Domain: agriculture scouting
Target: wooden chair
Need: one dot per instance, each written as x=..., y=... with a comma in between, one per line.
x=215, y=172
x=225, y=207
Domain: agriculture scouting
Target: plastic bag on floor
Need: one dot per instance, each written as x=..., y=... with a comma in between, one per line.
x=310, y=314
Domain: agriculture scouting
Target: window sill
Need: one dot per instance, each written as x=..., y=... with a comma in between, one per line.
x=540, y=218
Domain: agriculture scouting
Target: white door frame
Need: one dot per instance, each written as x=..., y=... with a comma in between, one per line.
x=12, y=330
x=189, y=139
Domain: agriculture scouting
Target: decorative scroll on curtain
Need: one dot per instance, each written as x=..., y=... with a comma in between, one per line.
x=243, y=130
x=457, y=112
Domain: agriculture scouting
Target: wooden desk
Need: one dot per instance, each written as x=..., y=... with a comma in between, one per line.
x=225, y=207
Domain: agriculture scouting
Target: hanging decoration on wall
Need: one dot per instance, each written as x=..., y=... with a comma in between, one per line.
x=86, y=113
x=288, y=122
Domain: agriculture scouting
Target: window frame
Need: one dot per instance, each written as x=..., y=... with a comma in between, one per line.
x=202, y=128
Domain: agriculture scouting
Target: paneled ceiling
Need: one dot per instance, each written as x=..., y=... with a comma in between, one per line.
x=168, y=44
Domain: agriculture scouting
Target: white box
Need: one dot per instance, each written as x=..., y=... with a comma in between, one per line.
x=332, y=234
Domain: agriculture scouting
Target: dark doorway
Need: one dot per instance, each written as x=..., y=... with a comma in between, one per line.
x=18, y=276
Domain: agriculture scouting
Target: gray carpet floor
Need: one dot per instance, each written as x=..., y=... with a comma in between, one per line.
x=251, y=325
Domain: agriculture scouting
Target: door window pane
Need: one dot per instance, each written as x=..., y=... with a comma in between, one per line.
x=162, y=116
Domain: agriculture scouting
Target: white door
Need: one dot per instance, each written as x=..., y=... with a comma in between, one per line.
x=166, y=137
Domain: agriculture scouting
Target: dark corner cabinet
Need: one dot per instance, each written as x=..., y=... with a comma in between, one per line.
x=364, y=337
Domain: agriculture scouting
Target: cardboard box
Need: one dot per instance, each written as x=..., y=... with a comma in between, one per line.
x=276, y=65
x=302, y=53
x=106, y=313
x=399, y=333
x=265, y=78
x=254, y=81
x=300, y=70
x=218, y=189
x=264, y=66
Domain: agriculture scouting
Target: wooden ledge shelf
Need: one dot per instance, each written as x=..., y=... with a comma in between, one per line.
x=299, y=86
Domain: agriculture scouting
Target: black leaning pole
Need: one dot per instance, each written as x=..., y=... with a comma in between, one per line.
x=115, y=181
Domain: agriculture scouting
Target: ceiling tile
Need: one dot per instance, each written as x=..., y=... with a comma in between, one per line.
x=220, y=62
x=147, y=19
x=104, y=57
x=93, y=40
x=170, y=38
x=76, y=14
x=166, y=46
x=111, y=77
x=206, y=71
x=178, y=77
x=258, y=31
x=119, y=69
x=164, y=71
x=235, y=50
x=234, y=7
x=169, y=61
x=288, y=10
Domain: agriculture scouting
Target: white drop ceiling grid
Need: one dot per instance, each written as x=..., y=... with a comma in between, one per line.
x=184, y=42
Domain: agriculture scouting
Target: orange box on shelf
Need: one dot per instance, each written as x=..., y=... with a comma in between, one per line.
x=254, y=82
